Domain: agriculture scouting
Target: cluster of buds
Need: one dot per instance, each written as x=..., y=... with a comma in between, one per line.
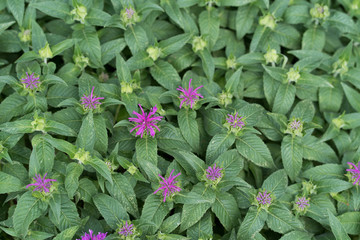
x=231, y=62
x=82, y=156
x=308, y=188
x=268, y=21
x=271, y=56
x=129, y=16
x=112, y=166
x=340, y=67
x=38, y=124
x=225, y=98
x=293, y=75
x=198, y=43
x=45, y=53
x=79, y=13
x=129, y=87
x=81, y=61
x=295, y=127
x=25, y=35
x=319, y=12
x=154, y=52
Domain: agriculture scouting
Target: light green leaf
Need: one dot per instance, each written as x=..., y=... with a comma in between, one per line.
x=67, y=234
x=73, y=172
x=281, y=220
x=217, y=145
x=226, y=210
x=59, y=128
x=313, y=39
x=292, y=153
x=209, y=23
x=192, y=213
x=352, y=95
x=86, y=137
x=165, y=74
x=58, y=10
x=284, y=98
x=62, y=46
x=9, y=183
x=20, y=126
x=351, y=222
x=44, y=156
x=174, y=44
x=337, y=229
x=252, y=223
x=276, y=183
x=101, y=167
x=122, y=70
x=136, y=39
x=17, y=8
x=189, y=127
x=304, y=110
x=245, y=16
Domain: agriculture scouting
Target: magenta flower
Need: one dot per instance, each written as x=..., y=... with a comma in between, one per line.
x=263, y=198
x=126, y=229
x=31, y=81
x=99, y=236
x=235, y=121
x=130, y=12
x=295, y=124
x=214, y=173
x=145, y=122
x=190, y=95
x=168, y=185
x=42, y=184
x=302, y=202
x=355, y=172
x=91, y=101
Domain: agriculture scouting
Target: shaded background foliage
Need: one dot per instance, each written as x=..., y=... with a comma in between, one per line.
x=272, y=62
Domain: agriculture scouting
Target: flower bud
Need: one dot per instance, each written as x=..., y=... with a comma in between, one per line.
x=225, y=98
x=25, y=35
x=320, y=11
x=81, y=61
x=126, y=87
x=129, y=16
x=82, y=156
x=231, y=62
x=132, y=169
x=309, y=188
x=198, y=44
x=1, y=147
x=79, y=13
x=46, y=52
x=295, y=127
x=293, y=75
x=154, y=52
x=38, y=124
x=340, y=67
x=271, y=56
x=268, y=21
x=338, y=122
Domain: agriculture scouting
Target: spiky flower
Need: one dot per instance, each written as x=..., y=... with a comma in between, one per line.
x=130, y=12
x=355, y=173
x=190, y=95
x=264, y=199
x=42, y=184
x=126, y=229
x=168, y=185
x=302, y=203
x=91, y=236
x=214, y=172
x=295, y=127
x=31, y=81
x=146, y=122
x=235, y=121
x=129, y=16
x=91, y=101
x=296, y=124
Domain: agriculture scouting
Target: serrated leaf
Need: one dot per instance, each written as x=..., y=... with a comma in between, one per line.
x=146, y=155
x=189, y=128
x=337, y=229
x=313, y=39
x=284, y=98
x=281, y=220
x=165, y=74
x=73, y=172
x=226, y=210
x=86, y=137
x=101, y=167
x=58, y=10
x=244, y=19
x=44, y=156
x=17, y=8
x=67, y=234
x=304, y=110
x=353, y=96
x=136, y=39
x=192, y=213
x=9, y=183
x=217, y=145
x=276, y=183
x=122, y=70
x=252, y=223
x=209, y=23
x=291, y=153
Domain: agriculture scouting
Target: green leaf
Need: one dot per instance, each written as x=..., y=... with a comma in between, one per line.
x=73, y=172
x=351, y=222
x=218, y=145
x=58, y=10
x=62, y=46
x=324, y=171
x=10, y=42
x=284, y=98
x=174, y=44
x=189, y=127
x=124, y=193
x=136, y=39
x=11, y=106
x=4, y=26
x=304, y=110
x=292, y=153
x=86, y=137
x=316, y=150
x=67, y=234
x=209, y=23
x=261, y=34
x=252, y=223
x=226, y=210
x=9, y=183
x=332, y=185
x=101, y=136
x=146, y=156
x=28, y=56
x=96, y=17
x=318, y=208
x=313, y=39
x=165, y=74
x=111, y=209
x=253, y=148
x=38, y=38
x=44, y=156
x=59, y=128
x=53, y=79
x=207, y=63
x=171, y=223
x=296, y=235
x=233, y=82
x=139, y=61
x=192, y=213
x=245, y=16
x=20, y=126
x=352, y=96
x=100, y=167
x=313, y=80
x=170, y=138
x=61, y=145
x=202, y=229
x=287, y=36
x=110, y=48
x=276, y=183
x=122, y=70
x=27, y=210
x=17, y=8
x=281, y=220
x=337, y=229
x=231, y=161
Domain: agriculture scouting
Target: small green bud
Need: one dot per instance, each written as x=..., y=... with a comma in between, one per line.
x=225, y=98
x=338, y=122
x=154, y=52
x=81, y=61
x=129, y=16
x=79, y=13
x=126, y=87
x=25, y=35
x=340, y=67
x=320, y=11
x=355, y=5
x=1, y=147
x=271, y=56
x=231, y=62
x=198, y=44
x=82, y=156
x=268, y=21
x=132, y=169
x=45, y=52
x=38, y=124
x=293, y=75
x=308, y=188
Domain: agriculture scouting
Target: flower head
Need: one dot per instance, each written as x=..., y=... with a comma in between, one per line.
x=129, y=16
x=213, y=173
x=130, y=12
x=302, y=203
x=354, y=172
x=42, y=184
x=263, y=198
x=293, y=75
x=99, y=236
x=296, y=124
x=235, y=121
x=146, y=122
x=91, y=101
x=126, y=229
x=168, y=185
x=31, y=81
x=190, y=95
x=295, y=127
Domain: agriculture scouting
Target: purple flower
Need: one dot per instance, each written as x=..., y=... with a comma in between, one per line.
x=235, y=121
x=295, y=124
x=126, y=229
x=263, y=198
x=41, y=184
x=355, y=172
x=130, y=12
x=302, y=202
x=145, y=122
x=168, y=185
x=91, y=101
x=189, y=95
x=214, y=173
x=99, y=236
x=31, y=81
